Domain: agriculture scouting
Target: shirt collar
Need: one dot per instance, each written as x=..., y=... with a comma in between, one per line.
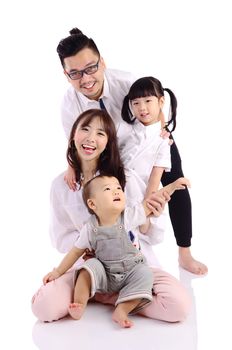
x=106, y=89
x=149, y=130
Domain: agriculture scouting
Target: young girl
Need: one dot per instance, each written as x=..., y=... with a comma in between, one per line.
x=145, y=151
x=148, y=154
x=92, y=143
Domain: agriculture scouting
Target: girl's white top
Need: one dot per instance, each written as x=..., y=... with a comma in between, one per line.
x=144, y=149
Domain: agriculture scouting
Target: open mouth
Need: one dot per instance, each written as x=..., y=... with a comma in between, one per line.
x=116, y=200
x=88, y=148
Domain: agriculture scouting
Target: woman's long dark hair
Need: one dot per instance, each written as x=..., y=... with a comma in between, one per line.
x=148, y=86
x=109, y=162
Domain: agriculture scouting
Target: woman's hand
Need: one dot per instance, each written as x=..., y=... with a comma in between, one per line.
x=156, y=202
x=70, y=178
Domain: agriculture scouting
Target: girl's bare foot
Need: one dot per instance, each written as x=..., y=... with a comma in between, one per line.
x=76, y=310
x=120, y=317
x=188, y=263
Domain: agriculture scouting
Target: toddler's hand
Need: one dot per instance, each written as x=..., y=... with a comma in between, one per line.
x=51, y=276
x=88, y=254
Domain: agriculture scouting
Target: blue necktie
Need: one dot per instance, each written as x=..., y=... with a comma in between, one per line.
x=102, y=106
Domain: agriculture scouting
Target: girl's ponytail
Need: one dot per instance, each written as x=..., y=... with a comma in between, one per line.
x=172, y=113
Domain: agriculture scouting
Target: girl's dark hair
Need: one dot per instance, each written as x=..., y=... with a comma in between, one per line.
x=74, y=43
x=148, y=86
x=109, y=162
x=86, y=194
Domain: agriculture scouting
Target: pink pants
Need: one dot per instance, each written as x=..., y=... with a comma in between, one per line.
x=171, y=301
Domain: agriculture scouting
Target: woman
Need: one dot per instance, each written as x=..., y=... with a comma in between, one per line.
x=93, y=150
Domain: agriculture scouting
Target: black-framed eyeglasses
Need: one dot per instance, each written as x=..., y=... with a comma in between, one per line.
x=78, y=74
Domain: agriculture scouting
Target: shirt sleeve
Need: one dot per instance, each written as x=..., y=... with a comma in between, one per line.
x=155, y=233
x=163, y=157
x=135, y=188
x=82, y=241
x=134, y=217
x=62, y=233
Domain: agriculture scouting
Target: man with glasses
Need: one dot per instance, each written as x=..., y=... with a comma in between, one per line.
x=92, y=85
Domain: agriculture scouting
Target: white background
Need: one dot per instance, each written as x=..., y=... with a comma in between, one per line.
x=185, y=44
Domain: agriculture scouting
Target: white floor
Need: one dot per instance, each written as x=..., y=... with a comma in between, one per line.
x=207, y=327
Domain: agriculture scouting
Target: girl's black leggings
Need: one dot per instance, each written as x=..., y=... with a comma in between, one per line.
x=180, y=209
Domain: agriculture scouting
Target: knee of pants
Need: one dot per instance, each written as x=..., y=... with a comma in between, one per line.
x=171, y=307
x=171, y=300
x=51, y=301
x=178, y=300
x=182, y=306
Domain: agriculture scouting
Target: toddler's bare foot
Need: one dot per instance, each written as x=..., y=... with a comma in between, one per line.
x=188, y=263
x=122, y=319
x=76, y=310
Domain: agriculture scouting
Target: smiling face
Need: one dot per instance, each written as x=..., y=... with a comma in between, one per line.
x=90, y=85
x=90, y=139
x=147, y=109
x=106, y=196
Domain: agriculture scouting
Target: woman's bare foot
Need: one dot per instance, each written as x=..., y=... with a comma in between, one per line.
x=121, y=317
x=188, y=263
x=76, y=310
